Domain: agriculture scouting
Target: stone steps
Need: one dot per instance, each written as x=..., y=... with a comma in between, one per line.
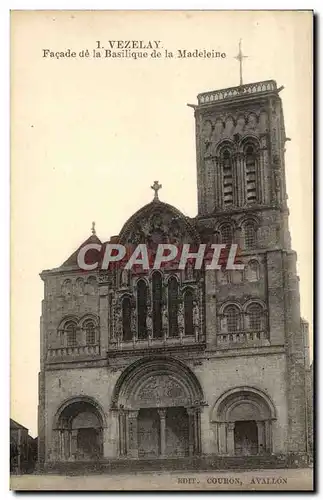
x=203, y=463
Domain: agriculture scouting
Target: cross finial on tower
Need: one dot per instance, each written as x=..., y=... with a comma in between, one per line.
x=93, y=228
x=156, y=187
x=240, y=58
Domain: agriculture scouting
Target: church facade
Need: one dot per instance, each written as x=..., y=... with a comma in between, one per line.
x=169, y=363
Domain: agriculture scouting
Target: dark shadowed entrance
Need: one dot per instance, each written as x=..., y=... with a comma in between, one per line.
x=148, y=433
x=88, y=444
x=245, y=438
x=177, y=439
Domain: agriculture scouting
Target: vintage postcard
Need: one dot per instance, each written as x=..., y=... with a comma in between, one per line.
x=161, y=290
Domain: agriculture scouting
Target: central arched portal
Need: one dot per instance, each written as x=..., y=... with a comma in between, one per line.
x=158, y=403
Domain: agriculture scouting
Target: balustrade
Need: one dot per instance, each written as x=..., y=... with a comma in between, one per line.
x=246, y=337
x=82, y=350
x=229, y=93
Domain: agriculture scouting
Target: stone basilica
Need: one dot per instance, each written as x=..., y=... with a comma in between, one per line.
x=194, y=363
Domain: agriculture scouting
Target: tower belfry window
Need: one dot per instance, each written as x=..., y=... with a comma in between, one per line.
x=255, y=317
x=227, y=176
x=226, y=234
x=157, y=286
x=89, y=327
x=142, y=309
x=251, y=181
x=250, y=235
x=173, y=307
x=70, y=329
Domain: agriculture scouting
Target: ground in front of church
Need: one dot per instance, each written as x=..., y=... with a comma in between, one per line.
x=270, y=480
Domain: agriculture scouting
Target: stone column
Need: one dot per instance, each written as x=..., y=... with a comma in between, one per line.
x=268, y=436
x=230, y=438
x=216, y=167
x=122, y=434
x=190, y=412
x=67, y=444
x=197, y=431
x=162, y=416
x=62, y=445
x=103, y=334
x=240, y=180
x=164, y=319
x=106, y=442
x=111, y=437
x=209, y=434
x=133, y=434
x=194, y=430
x=59, y=445
x=222, y=439
x=261, y=436
x=73, y=444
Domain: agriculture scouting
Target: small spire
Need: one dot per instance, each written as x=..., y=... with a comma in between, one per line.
x=156, y=187
x=93, y=228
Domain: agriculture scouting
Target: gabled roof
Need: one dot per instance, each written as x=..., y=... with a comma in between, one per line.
x=91, y=256
x=16, y=425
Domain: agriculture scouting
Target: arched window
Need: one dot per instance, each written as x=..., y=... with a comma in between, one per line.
x=232, y=314
x=89, y=327
x=67, y=288
x=250, y=235
x=223, y=276
x=251, y=180
x=91, y=285
x=157, y=287
x=126, y=319
x=255, y=314
x=252, y=271
x=70, y=331
x=227, y=177
x=142, y=309
x=79, y=286
x=173, y=307
x=226, y=234
x=188, y=313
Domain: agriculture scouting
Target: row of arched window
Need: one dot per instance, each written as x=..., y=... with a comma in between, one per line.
x=79, y=287
x=230, y=179
x=75, y=333
x=235, y=319
x=169, y=312
x=226, y=234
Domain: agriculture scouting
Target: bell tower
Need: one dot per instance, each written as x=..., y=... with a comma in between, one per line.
x=240, y=149
x=240, y=142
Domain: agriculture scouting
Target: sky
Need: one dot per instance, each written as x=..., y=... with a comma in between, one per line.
x=89, y=136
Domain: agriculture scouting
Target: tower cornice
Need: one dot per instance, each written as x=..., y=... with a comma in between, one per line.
x=242, y=92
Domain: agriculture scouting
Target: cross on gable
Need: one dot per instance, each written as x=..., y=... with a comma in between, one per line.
x=156, y=187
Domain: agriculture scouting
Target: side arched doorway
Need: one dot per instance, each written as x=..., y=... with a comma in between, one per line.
x=158, y=402
x=243, y=422
x=78, y=430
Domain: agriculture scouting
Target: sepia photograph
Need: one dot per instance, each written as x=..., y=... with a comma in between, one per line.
x=161, y=250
